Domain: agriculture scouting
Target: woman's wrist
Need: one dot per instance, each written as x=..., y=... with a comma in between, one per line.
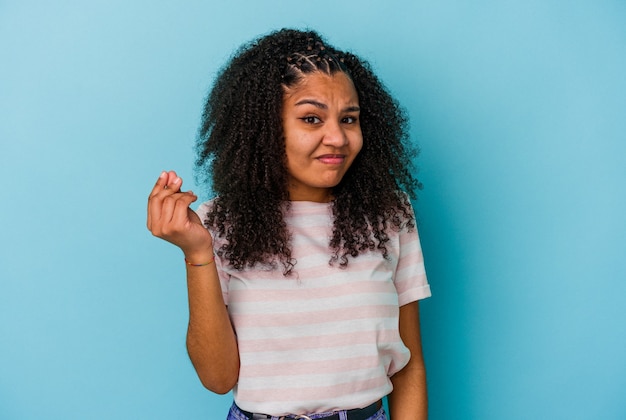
x=202, y=264
x=199, y=258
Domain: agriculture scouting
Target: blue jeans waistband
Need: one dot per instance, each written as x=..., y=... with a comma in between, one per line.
x=371, y=412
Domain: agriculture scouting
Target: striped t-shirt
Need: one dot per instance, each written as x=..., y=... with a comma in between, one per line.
x=325, y=338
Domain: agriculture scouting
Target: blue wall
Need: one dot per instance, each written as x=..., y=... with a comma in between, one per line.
x=518, y=107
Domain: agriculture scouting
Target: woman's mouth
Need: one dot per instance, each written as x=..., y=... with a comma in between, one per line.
x=332, y=159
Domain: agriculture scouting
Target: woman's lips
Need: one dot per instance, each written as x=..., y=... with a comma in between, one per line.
x=332, y=159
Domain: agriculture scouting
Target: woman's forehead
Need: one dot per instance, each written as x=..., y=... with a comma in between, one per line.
x=322, y=84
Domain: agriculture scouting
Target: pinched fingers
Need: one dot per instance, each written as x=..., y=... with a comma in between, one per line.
x=174, y=208
x=171, y=219
x=167, y=184
x=173, y=223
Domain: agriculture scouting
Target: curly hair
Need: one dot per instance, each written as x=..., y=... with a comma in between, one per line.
x=241, y=139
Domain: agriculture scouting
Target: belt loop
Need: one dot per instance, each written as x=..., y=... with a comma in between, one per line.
x=343, y=415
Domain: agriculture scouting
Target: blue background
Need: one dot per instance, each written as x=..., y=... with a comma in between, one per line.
x=518, y=106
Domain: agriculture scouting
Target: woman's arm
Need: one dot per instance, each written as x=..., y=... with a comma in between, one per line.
x=408, y=400
x=211, y=341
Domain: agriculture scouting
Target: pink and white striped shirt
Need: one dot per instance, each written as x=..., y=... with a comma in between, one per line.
x=325, y=338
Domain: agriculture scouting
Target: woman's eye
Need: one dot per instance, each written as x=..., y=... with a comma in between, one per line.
x=349, y=120
x=311, y=120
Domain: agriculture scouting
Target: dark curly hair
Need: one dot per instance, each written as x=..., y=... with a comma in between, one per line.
x=241, y=139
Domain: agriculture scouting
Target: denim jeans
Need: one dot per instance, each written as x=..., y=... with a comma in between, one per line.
x=236, y=414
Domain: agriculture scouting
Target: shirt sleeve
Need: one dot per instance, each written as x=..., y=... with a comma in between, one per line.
x=410, y=276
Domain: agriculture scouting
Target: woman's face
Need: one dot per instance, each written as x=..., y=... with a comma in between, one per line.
x=322, y=134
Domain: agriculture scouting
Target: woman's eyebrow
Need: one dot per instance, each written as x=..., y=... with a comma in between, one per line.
x=313, y=102
x=320, y=105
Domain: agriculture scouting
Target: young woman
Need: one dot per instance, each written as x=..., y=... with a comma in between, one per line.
x=305, y=271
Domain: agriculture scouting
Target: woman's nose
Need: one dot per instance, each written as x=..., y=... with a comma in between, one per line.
x=334, y=135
